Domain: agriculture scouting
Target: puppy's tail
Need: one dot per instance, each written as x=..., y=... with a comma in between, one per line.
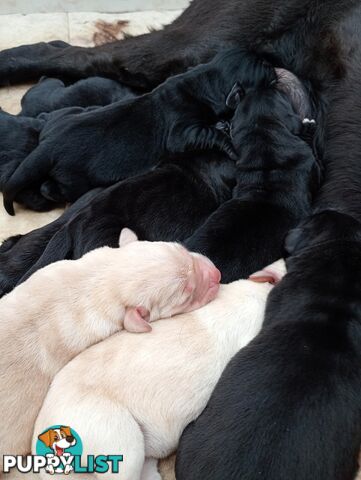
x=32, y=170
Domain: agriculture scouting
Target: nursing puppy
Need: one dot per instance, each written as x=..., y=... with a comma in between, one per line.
x=51, y=94
x=67, y=307
x=98, y=148
x=303, y=369
x=277, y=175
x=198, y=185
x=166, y=382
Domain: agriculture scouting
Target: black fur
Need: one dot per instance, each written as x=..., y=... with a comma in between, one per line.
x=51, y=94
x=19, y=253
x=297, y=385
x=276, y=176
x=82, y=151
x=204, y=29
x=272, y=194
x=167, y=204
x=18, y=137
x=288, y=405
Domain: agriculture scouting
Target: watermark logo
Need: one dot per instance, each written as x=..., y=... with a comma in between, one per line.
x=59, y=451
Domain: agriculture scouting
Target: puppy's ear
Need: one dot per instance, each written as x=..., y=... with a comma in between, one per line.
x=235, y=96
x=271, y=274
x=45, y=438
x=136, y=320
x=127, y=236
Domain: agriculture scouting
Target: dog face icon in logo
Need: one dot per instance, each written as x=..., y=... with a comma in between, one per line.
x=58, y=440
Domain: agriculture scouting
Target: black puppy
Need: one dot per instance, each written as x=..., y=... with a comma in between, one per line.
x=51, y=94
x=303, y=369
x=18, y=137
x=19, y=253
x=99, y=148
x=277, y=173
x=168, y=204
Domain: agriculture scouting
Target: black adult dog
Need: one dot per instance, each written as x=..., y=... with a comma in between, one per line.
x=168, y=204
x=204, y=29
x=298, y=383
x=277, y=176
x=52, y=94
x=78, y=152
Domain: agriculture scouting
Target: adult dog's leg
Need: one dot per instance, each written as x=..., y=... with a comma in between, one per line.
x=204, y=28
x=142, y=61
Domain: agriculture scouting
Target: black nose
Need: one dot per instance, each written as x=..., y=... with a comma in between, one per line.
x=70, y=438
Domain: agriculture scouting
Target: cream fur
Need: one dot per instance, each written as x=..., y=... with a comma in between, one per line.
x=68, y=306
x=134, y=395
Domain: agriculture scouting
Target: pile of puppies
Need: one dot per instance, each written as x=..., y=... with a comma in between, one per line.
x=204, y=198
x=225, y=160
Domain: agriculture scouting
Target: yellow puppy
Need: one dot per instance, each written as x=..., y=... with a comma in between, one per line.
x=68, y=306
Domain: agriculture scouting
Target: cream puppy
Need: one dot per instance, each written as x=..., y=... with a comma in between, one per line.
x=134, y=395
x=68, y=306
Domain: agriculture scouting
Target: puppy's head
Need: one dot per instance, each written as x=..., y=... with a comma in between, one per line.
x=284, y=102
x=269, y=130
x=163, y=279
x=58, y=439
